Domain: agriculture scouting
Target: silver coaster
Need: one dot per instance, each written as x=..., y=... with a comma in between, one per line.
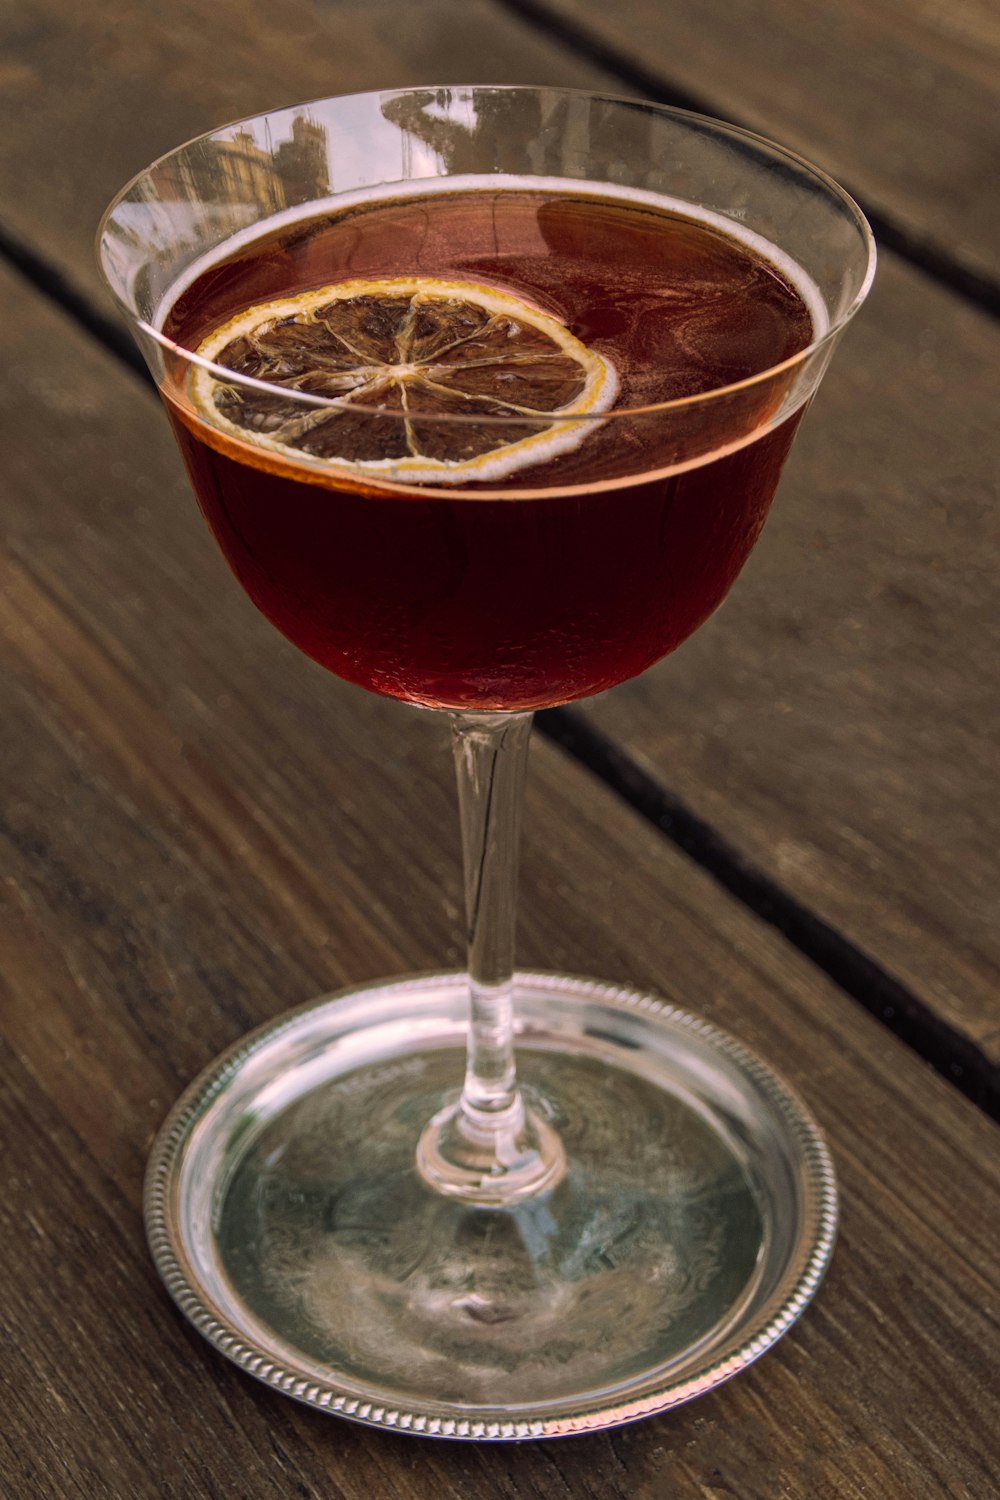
x=289, y=1224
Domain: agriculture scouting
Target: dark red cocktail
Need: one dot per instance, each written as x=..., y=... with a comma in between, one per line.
x=513, y=596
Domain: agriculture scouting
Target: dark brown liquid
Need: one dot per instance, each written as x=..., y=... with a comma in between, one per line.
x=464, y=599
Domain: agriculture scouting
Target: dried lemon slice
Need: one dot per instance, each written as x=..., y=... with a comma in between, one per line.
x=399, y=353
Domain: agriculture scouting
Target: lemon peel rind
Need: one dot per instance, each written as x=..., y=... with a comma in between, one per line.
x=562, y=435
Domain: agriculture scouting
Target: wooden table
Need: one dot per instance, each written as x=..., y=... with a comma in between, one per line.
x=791, y=826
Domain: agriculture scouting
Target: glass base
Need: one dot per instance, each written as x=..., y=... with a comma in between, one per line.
x=692, y=1225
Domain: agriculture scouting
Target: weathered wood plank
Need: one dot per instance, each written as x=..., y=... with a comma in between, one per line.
x=900, y=100
x=200, y=827
x=98, y=95
x=839, y=718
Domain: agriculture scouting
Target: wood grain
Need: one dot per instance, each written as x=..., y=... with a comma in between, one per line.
x=99, y=94
x=838, y=720
x=200, y=828
x=900, y=100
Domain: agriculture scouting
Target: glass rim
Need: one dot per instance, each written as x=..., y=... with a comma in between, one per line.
x=544, y=419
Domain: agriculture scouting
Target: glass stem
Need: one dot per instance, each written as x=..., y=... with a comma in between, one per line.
x=491, y=755
x=487, y=1146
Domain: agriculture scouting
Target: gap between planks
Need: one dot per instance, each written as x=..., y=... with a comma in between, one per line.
x=852, y=970
x=982, y=291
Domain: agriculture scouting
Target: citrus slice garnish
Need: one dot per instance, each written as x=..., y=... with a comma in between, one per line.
x=396, y=354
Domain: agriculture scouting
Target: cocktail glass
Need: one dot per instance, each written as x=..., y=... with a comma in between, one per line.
x=644, y=1208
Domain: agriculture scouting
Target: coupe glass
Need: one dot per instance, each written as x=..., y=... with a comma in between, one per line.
x=644, y=1208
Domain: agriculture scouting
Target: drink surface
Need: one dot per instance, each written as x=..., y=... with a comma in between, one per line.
x=568, y=578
